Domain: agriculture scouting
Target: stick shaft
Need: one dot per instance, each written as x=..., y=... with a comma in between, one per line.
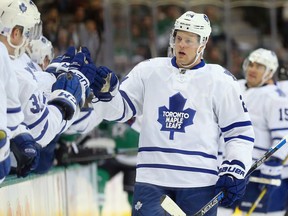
x=256, y=164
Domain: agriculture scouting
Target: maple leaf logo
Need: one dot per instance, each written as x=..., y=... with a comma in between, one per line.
x=175, y=119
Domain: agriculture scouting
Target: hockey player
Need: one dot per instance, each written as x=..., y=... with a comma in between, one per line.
x=45, y=80
x=16, y=27
x=10, y=109
x=267, y=106
x=43, y=118
x=184, y=102
x=41, y=52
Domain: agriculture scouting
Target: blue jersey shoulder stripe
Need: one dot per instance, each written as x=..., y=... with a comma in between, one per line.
x=235, y=125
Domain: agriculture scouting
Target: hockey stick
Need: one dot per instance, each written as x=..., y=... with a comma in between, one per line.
x=257, y=201
x=256, y=164
x=171, y=207
x=276, y=182
x=263, y=192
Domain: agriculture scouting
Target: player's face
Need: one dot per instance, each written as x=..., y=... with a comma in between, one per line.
x=186, y=45
x=46, y=62
x=254, y=74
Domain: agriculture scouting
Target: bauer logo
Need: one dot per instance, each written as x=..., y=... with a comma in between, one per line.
x=175, y=118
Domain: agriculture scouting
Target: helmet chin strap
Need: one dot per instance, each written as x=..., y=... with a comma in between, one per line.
x=17, y=49
x=266, y=76
x=195, y=59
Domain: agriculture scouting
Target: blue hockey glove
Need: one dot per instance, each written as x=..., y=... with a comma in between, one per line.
x=66, y=94
x=271, y=169
x=85, y=69
x=231, y=181
x=105, y=85
x=5, y=164
x=47, y=157
x=26, y=152
x=61, y=63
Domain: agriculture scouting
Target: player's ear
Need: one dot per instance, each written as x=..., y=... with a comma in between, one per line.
x=16, y=34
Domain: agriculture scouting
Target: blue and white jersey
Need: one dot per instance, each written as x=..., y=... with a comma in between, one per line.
x=182, y=114
x=44, y=121
x=10, y=109
x=283, y=85
x=268, y=109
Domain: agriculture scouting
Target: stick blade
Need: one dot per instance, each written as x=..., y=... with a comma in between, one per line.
x=170, y=206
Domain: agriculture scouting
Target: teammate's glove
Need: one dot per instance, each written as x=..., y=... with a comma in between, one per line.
x=66, y=94
x=231, y=181
x=271, y=169
x=5, y=164
x=84, y=68
x=105, y=85
x=47, y=157
x=61, y=63
x=26, y=152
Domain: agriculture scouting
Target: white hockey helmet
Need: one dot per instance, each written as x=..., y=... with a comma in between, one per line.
x=266, y=57
x=23, y=14
x=40, y=48
x=196, y=23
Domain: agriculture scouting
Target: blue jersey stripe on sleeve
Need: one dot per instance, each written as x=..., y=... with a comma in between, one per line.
x=13, y=110
x=251, y=139
x=44, y=115
x=125, y=96
x=42, y=132
x=278, y=129
x=235, y=125
x=83, y=117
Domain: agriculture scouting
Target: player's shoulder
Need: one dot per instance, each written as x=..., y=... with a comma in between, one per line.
x=220, y=73
x=155, y=62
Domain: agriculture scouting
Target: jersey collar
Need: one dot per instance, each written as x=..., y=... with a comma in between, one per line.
x=201, y=64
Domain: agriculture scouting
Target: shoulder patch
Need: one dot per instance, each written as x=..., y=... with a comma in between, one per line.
x=230, y=74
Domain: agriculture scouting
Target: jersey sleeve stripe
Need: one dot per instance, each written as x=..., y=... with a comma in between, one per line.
x=44, y=115
x=250, y=139
x=42, y=132
x=131, y=105
x=278, y=129
x=13, y=110
x=235, y=125
x=83, y=117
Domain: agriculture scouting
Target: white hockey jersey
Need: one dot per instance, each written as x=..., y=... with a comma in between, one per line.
x=10, y=109
x=267, y=106
x=83, y=122
x=182, y=114
x=44, y=121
